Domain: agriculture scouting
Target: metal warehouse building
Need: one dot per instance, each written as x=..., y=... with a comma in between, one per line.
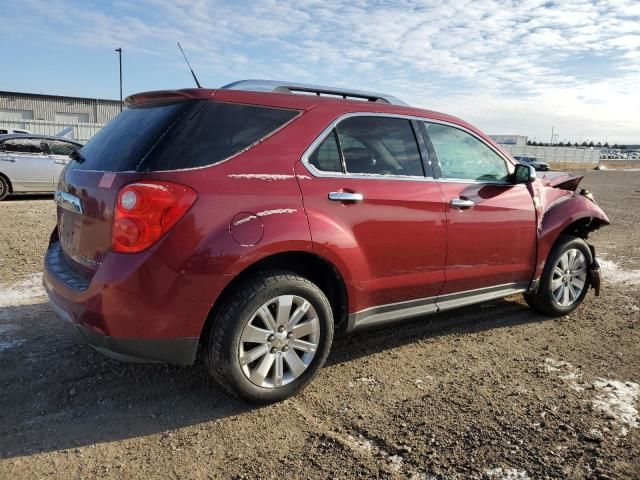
x=52, y=114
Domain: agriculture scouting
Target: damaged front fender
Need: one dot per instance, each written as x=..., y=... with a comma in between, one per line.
x=563, y=211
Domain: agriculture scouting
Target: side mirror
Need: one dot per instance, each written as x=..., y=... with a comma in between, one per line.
x=524, y=174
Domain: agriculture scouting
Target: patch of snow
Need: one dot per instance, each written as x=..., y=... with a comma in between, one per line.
x=7, y=339
x=618, y=400
x=566, y=371
x=25, y=292
x=261, y=176
x=395, y=461
x=276, y=211
x=507, y=474
x=611, y=272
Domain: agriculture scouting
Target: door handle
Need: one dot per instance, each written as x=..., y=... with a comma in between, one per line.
x=345, y=197
x=12, y=160
x=462, y=203
x=61, y=162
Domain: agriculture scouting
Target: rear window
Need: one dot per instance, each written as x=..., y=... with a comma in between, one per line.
x=179, y=135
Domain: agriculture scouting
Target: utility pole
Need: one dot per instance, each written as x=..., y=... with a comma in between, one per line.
x=552, y=128
x=119, y=50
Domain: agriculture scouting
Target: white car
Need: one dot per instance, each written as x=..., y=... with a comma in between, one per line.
x=32, y=163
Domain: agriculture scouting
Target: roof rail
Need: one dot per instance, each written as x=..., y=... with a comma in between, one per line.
x=292, y=87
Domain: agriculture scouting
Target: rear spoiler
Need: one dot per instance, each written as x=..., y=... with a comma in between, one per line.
x=159, y=96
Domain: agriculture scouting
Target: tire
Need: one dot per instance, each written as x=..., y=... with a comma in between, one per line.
x=4, y=188
x=551, y=298
x=250, y=313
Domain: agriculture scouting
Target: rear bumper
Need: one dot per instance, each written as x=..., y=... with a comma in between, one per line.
x=178, y=351
x=107, y=318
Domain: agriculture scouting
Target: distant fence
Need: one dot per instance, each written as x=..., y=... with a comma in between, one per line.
x=557, y=154
x=79, y=131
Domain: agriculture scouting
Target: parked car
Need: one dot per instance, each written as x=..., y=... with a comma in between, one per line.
x=32, y=163
x=533, y=161
x=6, y=131
x=254, y=222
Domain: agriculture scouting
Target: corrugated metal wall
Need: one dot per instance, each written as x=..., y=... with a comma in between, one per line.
x=81, y=132
x=558, y=154
x=44, y=107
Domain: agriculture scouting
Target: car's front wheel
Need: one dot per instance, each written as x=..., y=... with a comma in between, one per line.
x=270, y=337
x=4, y=188
x=565, y=279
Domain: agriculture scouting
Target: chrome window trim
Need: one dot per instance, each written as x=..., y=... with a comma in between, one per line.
x=373, y=176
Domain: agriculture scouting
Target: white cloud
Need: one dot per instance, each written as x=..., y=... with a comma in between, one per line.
x=499, y=63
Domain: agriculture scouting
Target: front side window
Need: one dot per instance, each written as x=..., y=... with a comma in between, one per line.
x=462, y=156
x=22, y=145
x=379, y=145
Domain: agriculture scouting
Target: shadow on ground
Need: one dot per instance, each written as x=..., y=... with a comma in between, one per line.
x=28, y=196
x=57, y=393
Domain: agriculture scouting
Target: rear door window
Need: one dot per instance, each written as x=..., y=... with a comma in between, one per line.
x=326, y=157
x=380, y=146
x=179, y=135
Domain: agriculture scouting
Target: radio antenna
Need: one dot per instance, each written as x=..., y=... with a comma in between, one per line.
x=189, y=65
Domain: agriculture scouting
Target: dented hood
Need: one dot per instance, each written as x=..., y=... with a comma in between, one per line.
x=563, y=180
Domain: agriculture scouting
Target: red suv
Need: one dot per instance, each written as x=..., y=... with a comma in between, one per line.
x=255, y=220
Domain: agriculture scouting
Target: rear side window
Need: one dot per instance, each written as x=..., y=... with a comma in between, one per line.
x=58, y=147
x=22, y=145
x=215, y=131
x=179, y=135
x=379, y=145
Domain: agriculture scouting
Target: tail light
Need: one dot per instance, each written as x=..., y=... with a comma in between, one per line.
x=145, y=211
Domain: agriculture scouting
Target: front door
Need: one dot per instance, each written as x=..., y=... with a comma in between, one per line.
x=370, y=185
x=491, y=223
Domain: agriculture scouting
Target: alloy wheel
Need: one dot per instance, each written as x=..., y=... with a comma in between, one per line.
x=279, y=341
x=569, y=277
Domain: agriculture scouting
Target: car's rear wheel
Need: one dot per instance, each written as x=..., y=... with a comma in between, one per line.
x=270, y=337
x=4, y=188
x=566, y=278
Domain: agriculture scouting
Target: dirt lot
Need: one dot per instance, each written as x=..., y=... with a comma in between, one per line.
x=493, y=391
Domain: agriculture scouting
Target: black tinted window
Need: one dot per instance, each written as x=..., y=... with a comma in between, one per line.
x=379, y=145
x=327, y=156
x=59, y=147
x=127, y=139
x=180, y=135
x=22, y=145
x=214, y=131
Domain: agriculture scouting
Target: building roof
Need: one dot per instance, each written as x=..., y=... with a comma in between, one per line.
x=56, y=97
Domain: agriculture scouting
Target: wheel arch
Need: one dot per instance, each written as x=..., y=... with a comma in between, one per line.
x=309, y=265
x=6, y=177
x=577, y=216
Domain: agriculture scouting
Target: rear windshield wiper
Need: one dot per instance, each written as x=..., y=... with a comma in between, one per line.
x=77, y=156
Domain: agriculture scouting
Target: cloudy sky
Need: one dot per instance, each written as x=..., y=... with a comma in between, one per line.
x=506, y=66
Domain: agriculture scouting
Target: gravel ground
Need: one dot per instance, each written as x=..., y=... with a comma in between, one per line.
x=493, y=391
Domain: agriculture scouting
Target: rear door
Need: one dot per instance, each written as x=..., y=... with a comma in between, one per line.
x=374, y=210
x=491, y=223
x=31, y=170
